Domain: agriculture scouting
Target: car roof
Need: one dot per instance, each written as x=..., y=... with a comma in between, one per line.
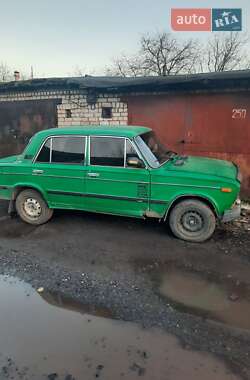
x=114, y=130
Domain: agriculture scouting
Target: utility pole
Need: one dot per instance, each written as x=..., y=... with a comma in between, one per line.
x=32, y=72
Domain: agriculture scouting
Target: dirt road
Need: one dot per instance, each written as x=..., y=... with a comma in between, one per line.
x=137, y=272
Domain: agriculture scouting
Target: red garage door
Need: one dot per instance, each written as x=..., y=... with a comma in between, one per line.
x=216, y=125
x=165, y=114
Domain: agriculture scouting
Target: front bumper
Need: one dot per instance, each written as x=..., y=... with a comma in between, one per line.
x=233, y=213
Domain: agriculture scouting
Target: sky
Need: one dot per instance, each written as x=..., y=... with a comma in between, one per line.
x=57, y=36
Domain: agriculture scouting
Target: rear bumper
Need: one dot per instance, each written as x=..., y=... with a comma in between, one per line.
x=233, y=213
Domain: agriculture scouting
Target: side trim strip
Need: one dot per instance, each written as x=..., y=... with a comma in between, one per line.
x=57, y=176
x=103, y=196
x=118, y=198
x=83, y=178
x=44, y=175
x=57, y=192
x=119, y=180
x=156, y=201
x=186, y=185
x=8, y=173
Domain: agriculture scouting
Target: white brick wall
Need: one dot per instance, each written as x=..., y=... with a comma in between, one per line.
x=81, y=111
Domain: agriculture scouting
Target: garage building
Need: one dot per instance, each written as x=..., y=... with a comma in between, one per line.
x=202, y=114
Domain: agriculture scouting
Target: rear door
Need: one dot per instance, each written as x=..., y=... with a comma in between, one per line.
x=111, y=185
x=59, y=170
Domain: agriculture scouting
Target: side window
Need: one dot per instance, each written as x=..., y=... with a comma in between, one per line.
x=107, y=151
x=68, y=150
x=130, y=151
x=44, y=155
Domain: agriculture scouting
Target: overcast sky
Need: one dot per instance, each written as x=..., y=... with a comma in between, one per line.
x=55, y=36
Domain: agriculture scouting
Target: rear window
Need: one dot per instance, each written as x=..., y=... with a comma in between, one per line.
x=66, y=150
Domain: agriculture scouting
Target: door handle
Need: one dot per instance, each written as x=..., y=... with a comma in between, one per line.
x=37, y=171
x=93, y=175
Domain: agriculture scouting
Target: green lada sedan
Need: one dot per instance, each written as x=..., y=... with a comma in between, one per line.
x=121, y=170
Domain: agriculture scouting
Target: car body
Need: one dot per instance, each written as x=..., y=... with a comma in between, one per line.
x=121, y=170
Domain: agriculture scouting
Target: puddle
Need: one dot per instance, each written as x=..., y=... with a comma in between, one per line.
x=40, y=340
x=59, y=300
x=191, y=293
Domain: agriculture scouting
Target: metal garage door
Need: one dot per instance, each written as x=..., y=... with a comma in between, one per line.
x=19, y=120
x=212, y=124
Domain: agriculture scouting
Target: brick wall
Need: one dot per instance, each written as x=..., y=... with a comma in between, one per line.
x=84, y=113
x=75, y=109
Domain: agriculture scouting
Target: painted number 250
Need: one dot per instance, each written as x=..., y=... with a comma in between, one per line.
x=239, y=113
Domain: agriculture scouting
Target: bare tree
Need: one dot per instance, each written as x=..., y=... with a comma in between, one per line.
x=163, y=54
x=81, y=71
x=224, y=52
x=127, y=66
x=159, y=54
x=5, y=73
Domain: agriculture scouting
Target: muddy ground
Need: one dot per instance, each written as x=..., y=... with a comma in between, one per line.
x=136, y=271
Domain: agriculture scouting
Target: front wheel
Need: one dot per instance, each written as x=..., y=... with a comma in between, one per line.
x=192, y=220
x=32, y=208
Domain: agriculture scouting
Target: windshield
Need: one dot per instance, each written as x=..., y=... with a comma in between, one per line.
x=153, y=150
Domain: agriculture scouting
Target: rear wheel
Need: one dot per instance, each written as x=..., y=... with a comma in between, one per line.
x=192, y=220
x=32, y=208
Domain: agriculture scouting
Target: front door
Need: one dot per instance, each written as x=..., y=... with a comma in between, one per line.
x=112, y=186
x=59, y=171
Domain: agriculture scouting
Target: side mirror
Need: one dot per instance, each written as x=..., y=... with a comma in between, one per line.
x=135, y=162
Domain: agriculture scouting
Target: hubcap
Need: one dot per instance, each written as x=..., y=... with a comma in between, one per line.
x=192, y=221
x=32, y=208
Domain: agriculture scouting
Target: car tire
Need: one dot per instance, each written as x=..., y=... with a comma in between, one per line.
x=192, y=220
x=32, y=208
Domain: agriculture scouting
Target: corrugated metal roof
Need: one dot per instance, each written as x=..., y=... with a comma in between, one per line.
x=226, y=79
